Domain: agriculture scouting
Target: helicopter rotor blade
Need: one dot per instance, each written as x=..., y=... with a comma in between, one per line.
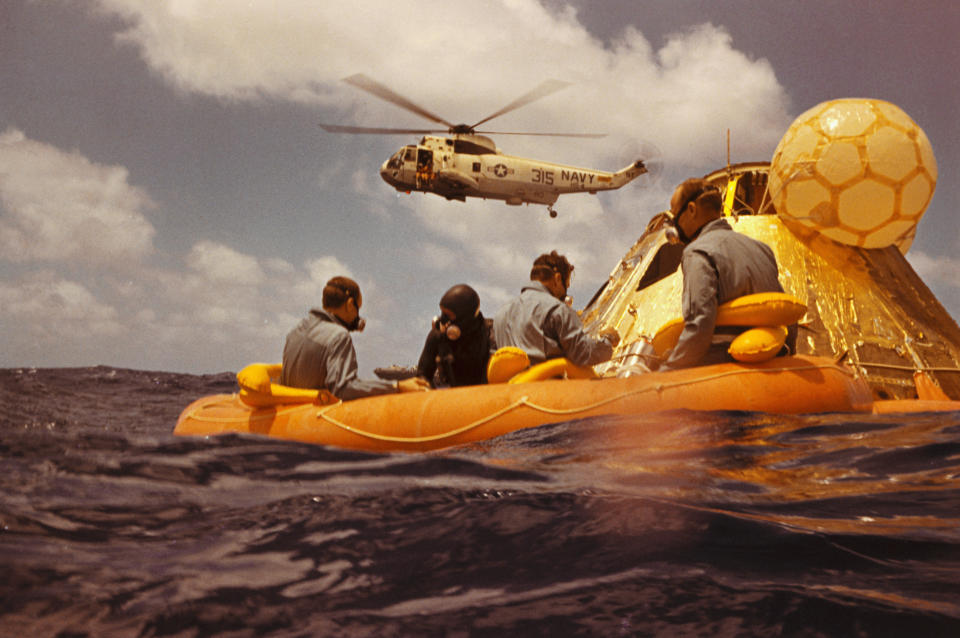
x=582, y=135
x=373, y=87
x=545, y=88
x=363, y=130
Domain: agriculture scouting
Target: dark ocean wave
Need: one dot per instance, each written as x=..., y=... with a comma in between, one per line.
x=680, y=523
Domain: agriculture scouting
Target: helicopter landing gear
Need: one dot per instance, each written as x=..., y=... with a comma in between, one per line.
x=552, y=211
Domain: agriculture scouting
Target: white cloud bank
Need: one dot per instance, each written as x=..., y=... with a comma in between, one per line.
x=464, y=61
x=59, y=206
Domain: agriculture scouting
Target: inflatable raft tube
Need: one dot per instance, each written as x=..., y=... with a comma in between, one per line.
x=421, y=421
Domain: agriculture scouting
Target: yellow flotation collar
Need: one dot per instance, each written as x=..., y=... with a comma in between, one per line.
x=512, y=365
x=765, y=309
x=758, y=344
x=553, y=369
x=506, y=363
x=258, y=389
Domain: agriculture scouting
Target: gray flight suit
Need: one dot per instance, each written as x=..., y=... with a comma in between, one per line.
x=319, y=353
x=719, y=265
x=546, y=328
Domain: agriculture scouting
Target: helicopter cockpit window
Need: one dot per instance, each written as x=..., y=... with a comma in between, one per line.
x=410, y=154
x=396, y=160
x=470, y=148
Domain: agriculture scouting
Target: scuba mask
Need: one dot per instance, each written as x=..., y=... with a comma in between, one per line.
x=357, y=325
x=460, y=307
x=675, y=235
x=674, y=232
x=446, y=327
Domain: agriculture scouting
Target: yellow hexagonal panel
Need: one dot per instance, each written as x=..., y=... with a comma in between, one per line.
x=926, y=154
x=891, y=153
x=895, y=115
x=839, y=163
x=798, y=198
x=847, y=118
x=896, y=232
x=843, y=236
x=915, y=196
x=801, y=146
x=866, y=205
x=904, y=242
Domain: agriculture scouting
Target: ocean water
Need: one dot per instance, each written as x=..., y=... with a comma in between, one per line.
x=673, y=524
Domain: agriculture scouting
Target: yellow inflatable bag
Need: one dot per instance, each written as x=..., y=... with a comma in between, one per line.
x=258, y=390
x=758, y=344
x=552, y=369
x=257, y=377
x=505, y=363
x=761, y=309
x=667, y=336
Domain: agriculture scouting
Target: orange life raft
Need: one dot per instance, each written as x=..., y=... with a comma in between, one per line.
x=421, y=421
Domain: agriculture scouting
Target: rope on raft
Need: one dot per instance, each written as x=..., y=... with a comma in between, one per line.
x=524, y=401
x=894, y=366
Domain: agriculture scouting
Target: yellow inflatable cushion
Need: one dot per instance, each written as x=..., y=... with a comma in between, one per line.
x=758, y=344
x=554, y=368
x=761, y=309
x=257, y=388
x=506, y=363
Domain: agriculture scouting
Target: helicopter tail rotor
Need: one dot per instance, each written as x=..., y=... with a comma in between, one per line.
x=648, y=153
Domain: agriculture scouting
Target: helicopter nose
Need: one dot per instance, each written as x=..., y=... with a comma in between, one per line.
x=385, y=173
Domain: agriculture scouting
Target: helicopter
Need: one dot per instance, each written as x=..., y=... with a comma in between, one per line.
x=466, y=163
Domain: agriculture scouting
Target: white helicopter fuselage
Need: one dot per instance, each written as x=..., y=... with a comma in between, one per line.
x=470, y=165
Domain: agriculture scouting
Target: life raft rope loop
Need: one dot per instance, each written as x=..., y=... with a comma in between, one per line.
x=524, y=401
x=253, y=418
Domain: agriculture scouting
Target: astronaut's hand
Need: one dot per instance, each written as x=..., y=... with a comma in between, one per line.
x=611, y=336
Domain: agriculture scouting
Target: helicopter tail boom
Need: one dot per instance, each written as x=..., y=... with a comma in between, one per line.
x=628, y=174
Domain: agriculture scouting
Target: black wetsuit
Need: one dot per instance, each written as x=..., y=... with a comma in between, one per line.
x=459, y=362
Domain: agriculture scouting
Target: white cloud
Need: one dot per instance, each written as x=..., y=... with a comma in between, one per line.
x=57, y=206
x=943, y=270
x=222, y=264
x=436, y=256
x=55, y=311
x=682, y=97
x=942, y=275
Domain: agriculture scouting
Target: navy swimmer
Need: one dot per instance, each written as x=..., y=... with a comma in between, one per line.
x=542, y=325
x=719, y=264
x=459, y=344
x=319, y=352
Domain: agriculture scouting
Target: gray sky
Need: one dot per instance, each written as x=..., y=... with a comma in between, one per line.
x=167, y=200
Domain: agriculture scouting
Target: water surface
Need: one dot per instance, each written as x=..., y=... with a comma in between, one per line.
x=674, y=524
